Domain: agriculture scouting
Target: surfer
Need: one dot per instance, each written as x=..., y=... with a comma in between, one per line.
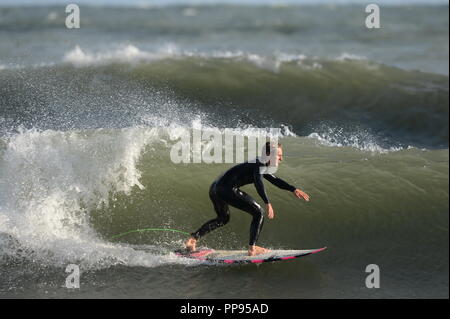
x=225, y=191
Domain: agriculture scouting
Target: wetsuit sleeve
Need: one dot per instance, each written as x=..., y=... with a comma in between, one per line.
x=278, y=182
x=257, y=177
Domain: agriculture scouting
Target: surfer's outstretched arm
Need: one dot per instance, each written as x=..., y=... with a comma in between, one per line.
x=286, y=186
x=278, y=182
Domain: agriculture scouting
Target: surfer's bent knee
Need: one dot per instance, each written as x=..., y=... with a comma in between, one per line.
x=223, y=220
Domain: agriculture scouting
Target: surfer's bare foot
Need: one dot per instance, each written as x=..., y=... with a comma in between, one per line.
x=256, y=250
x=190, y=244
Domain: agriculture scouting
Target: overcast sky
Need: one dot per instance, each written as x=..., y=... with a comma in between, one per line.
x=168, y=2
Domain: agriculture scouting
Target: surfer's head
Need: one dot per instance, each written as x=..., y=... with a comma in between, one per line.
x=272, y=154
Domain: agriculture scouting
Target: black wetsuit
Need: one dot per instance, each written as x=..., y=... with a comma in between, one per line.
x=225, y=191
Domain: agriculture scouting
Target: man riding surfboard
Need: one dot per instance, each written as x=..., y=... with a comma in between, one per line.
x=225, y=191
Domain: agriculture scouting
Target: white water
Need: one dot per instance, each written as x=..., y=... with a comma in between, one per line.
x=49, y=181
x=131, y=54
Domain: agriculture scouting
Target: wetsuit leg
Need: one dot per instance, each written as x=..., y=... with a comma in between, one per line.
x=245, y=202
x=222, y=211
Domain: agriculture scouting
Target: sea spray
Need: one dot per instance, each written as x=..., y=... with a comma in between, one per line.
x=51, y=180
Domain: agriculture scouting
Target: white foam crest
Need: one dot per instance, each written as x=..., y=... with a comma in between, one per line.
x=50, y=180
x=175, y=131
x=360, y=141
x=129, y=54
x=132, y=54
x=271, y=62
x=348, y=56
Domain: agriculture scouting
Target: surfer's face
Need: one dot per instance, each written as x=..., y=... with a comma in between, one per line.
x=275, y=160
x=279, y=157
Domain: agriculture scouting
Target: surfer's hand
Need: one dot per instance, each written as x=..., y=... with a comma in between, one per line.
x=270, y=212
x=301, y=194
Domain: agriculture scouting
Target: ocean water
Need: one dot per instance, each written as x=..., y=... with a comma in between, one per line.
x=88, y=118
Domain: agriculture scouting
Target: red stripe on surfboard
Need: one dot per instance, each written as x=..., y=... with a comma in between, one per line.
x=318, y=250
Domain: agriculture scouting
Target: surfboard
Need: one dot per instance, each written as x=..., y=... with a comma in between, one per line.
x=241, y=256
